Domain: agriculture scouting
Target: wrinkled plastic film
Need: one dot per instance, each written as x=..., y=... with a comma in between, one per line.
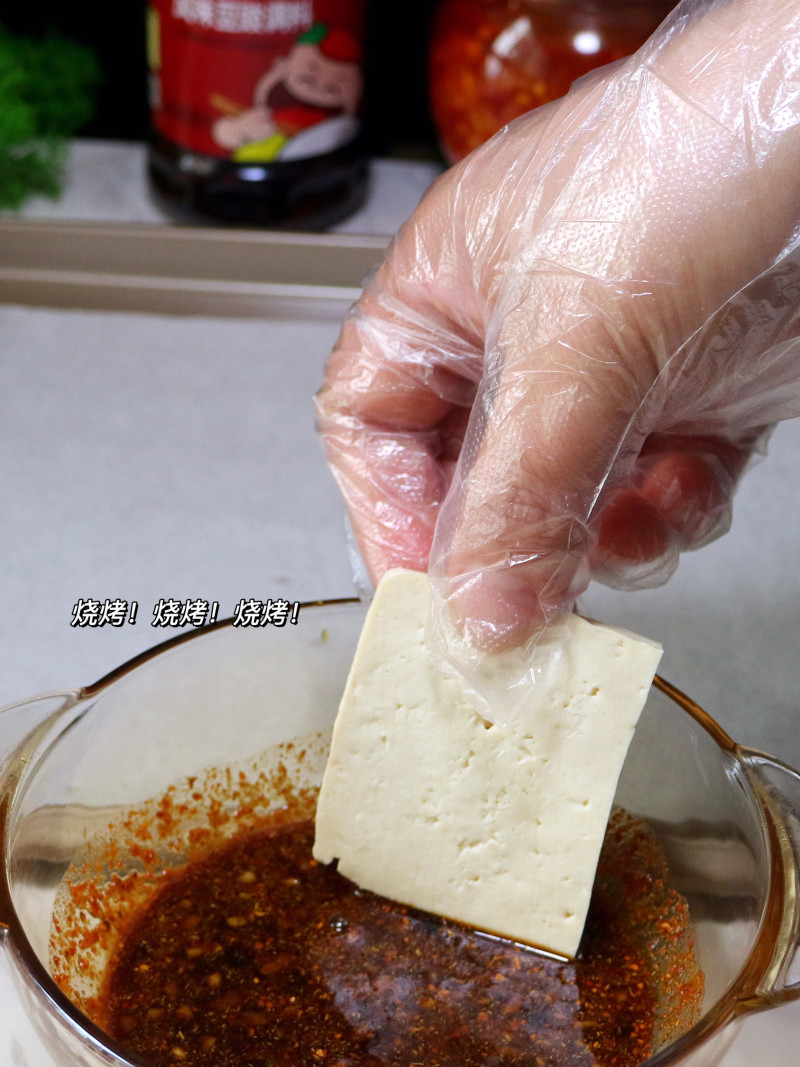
x=362, y=583
x=582, y=338
x=498, y=684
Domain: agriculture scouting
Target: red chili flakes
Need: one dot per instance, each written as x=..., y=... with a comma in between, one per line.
x=320, y=972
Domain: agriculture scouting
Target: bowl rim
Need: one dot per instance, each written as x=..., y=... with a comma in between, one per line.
x=738, y=999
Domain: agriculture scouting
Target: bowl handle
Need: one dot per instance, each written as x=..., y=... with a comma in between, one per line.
x=19, y=720
x=22, y=726
x=778, y=787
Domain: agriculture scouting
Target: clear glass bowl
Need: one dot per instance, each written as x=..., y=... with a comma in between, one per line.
x=727, y=817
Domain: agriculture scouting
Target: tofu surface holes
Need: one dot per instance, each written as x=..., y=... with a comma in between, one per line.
x=499, y=827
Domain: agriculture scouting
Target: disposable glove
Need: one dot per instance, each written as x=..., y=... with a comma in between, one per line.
x=584, y=333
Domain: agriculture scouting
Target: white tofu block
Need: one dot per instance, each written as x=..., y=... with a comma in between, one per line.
x=499, y=827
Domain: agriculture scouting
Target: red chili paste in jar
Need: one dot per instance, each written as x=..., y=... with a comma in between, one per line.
x=257, y=955
x=493, y=60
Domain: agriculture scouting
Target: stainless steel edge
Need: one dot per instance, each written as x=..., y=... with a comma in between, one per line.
x=182, y=270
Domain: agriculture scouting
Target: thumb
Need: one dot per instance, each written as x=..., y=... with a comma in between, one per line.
x=545, y=446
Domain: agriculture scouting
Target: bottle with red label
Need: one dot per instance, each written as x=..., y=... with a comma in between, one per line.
x=255, y=109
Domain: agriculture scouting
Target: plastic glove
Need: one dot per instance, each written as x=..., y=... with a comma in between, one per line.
x=584, y=332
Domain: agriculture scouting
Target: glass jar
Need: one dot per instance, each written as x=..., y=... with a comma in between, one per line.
x=493, y=60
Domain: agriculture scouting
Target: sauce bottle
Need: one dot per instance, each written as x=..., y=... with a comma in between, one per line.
x=255, y=110
x=493, y=60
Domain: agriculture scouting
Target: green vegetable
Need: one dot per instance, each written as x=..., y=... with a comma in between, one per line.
x=46, y=94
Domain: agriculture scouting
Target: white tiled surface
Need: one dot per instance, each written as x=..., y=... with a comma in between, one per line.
x=146, y=457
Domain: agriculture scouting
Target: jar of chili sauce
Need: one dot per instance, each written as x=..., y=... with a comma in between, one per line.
x=493, y=60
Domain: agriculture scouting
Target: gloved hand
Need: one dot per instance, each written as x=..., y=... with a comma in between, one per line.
x=584, y=332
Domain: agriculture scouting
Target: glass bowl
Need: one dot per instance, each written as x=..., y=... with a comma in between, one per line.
x=223, y=697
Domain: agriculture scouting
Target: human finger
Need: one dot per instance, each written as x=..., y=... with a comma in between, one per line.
x=680, y=498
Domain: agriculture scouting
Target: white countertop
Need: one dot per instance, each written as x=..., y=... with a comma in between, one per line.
x=149, y=457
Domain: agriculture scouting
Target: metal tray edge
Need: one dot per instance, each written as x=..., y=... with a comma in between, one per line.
x=182, y=270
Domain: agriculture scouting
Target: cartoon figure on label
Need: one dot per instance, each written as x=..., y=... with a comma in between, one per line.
x=305, y=104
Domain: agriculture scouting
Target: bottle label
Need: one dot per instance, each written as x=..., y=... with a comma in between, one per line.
x=256, y=81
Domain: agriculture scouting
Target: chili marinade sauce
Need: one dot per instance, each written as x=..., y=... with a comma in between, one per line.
x=256, y=955
x=197, y=929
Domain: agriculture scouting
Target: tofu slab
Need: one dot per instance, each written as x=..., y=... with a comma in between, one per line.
x=499, y=827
